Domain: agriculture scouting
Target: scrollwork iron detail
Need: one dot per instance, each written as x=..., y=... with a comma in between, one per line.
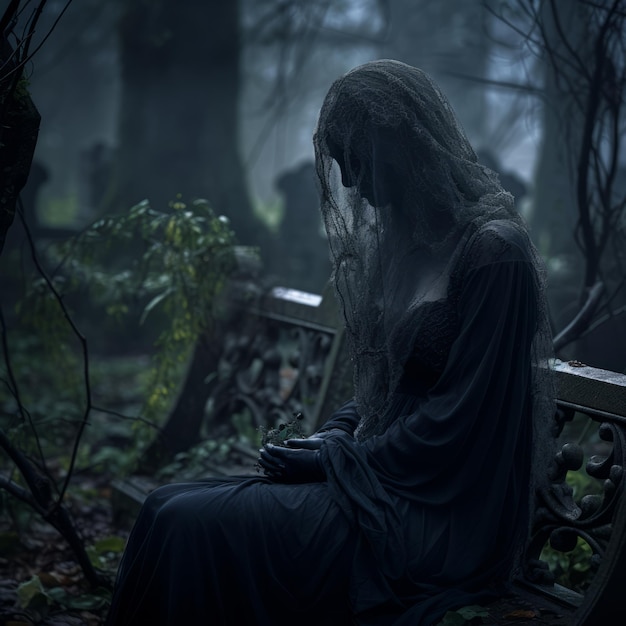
x=559, y=518
x=272, y=370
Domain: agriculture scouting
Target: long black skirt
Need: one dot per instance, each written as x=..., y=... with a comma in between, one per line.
x=240, y=551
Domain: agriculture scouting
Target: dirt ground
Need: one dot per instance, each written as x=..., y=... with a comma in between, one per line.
x=40, y=580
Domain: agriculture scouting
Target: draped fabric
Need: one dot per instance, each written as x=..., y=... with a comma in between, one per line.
x=429, y=468
x=409, y=211
x=441, y=496
x=236, y=551
x=400, y=187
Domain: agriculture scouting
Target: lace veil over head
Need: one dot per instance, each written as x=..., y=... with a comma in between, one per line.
x=401, y=192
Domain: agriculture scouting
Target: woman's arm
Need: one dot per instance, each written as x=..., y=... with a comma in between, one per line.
x=480, y=406
x=478, y=412
x=346, y=418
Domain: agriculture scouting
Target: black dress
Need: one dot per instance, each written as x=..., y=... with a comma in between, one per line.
x=407, y=525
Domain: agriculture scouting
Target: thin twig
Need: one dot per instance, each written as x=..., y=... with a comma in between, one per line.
x=12, y=382
x=582, y=320
x=13, y=386
x=130, y=418
x=27, y=57
x=81, y=339
x=8, y=15
x=20, y=493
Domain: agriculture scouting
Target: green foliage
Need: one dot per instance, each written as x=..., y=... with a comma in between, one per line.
x=182, y=258
x=32, y=596
x=106, y=552
x=168, y=266
x=582, y=484
x=243, y=423
x=40, y=602
x=132, y=268
x=198, y=461
x=59, y=211
x=573, y=569
x=277, y=435
x=22, y=89
x=466, y=615
x=89, y=601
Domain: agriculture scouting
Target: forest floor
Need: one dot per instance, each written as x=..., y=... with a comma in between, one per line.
x=40, y=580
x=41, y=583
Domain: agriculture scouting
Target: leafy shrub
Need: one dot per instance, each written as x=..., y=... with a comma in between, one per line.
x=170, y=265
x=181, y=260
x=574, y=569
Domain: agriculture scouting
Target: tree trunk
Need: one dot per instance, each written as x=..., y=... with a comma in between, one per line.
x=182, y=428
x=179, y=129
x=554, y=214
x=19, y=127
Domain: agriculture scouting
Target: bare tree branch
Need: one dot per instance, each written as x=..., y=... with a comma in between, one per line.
x=500, y=84
x=582, y=320
x=24, y=56
x=20, y=493
x=573, y=57
x=83, y=344
x=15, y=392
x=12, y=382
x=131, y=418
x=588, y=73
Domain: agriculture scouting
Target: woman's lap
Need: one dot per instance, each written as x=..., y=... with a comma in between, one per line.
x=229, y=549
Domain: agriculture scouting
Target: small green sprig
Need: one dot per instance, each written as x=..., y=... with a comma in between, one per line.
x=277, y=435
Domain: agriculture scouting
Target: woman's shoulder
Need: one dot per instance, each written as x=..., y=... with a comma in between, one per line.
x=489, y=245
x=498, y=241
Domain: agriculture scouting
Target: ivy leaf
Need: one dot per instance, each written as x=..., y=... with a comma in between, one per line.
x=452, y=618
x=471, y=612
x=464, y=615
x=32, y=596
x=153, y=303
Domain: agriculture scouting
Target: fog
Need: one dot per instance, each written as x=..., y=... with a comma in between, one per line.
x=75, y=83
x=206, y=100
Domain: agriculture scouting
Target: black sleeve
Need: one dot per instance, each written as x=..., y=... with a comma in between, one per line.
x=345, y=418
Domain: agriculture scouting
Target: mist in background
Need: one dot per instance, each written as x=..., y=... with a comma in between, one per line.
x=164, y=100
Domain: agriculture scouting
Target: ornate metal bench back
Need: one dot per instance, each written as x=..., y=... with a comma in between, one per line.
x=287, y=356
x=596, y=399
x=282, y=356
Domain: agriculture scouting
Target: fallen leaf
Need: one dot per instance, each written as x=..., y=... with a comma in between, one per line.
x=31, y=592
x=49, y=579
x=521, y=614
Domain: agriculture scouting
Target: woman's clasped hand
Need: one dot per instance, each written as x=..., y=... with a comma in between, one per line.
x=298, y=463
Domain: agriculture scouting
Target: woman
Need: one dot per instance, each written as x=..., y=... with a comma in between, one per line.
x=414, y=496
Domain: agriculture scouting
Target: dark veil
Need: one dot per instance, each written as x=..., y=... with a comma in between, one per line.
x=402, y=193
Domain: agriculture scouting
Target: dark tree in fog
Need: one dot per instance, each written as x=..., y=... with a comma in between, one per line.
x=580, y=201
x=445, y=39
x=178, y=128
